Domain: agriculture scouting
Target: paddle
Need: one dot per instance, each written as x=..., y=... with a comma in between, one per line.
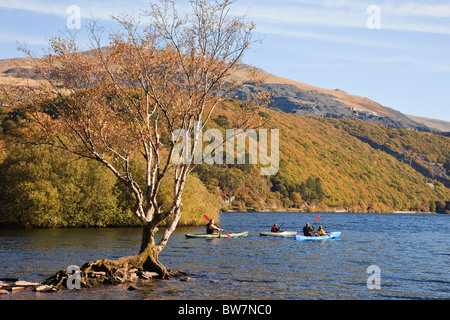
x=317, y=218
x=207, y=218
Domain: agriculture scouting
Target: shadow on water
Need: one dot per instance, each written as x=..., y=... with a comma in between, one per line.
x=413, y=260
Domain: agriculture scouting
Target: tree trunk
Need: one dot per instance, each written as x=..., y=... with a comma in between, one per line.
x=150, y=252
x=119, y=271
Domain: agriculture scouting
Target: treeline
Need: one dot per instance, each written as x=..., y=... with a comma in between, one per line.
x=307, y=192
x=49, y=188
x=242, y=188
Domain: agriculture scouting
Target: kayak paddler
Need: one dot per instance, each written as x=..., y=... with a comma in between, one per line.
x=275, y=228
x=320, y=232
x=308, y=230
x=211, y=228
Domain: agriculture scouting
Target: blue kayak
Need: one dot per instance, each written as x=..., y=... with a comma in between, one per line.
x=332, y=235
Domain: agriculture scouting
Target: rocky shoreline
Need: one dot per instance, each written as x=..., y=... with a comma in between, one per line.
x=11, y=285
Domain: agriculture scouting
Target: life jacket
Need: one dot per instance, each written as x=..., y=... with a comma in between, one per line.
x=321, y=232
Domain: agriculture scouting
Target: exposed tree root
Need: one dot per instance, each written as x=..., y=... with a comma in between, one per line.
x=122, y=270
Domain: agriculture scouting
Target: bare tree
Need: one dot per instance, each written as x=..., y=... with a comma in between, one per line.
x=120, y=103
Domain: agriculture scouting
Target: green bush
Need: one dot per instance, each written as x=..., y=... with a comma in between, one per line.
x=49, y=188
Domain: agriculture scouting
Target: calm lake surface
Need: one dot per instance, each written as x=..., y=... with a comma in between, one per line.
x=411, y=251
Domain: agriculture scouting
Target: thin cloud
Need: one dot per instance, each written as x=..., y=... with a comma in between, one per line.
x=329, y=37
x=98, y=9
x=35, y=6
x=410, y=62
x=8, y=37
x=403, y=16
x=399, y=15
x=420, y=9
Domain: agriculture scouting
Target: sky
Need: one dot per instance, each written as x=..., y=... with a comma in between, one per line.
x=396, y=53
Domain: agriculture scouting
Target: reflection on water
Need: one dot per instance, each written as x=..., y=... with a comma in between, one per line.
x=413, y=259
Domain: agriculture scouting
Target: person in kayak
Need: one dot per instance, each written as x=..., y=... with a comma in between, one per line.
x=308, y=230
x=320, y=232
x=211, y=228
x=275, y=228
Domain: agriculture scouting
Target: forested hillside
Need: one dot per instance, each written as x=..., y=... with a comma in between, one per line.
x=325, y=165
x=426, y=152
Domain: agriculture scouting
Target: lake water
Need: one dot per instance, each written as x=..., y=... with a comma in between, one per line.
x=410, y=250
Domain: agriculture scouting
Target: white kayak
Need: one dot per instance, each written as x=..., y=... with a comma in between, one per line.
x=220, y=235
x=332, y=235
x=279, y=234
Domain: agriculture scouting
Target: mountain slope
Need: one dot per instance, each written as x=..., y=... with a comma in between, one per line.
x=435, y=124
x=427, y=153
x=343, y=167
x=289, y=96
x=353, y=173
x=308, y=100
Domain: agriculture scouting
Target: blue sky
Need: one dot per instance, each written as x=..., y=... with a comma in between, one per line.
x=404, y=63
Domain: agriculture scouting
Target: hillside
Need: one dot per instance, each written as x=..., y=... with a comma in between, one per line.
x=427, y=153
x=288, y=96
x=325, y=165
x=436, y=124
x=307, y=100
x=353, y=173
x=328, y=161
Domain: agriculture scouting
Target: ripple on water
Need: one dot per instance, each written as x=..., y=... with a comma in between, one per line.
x=413, y=262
